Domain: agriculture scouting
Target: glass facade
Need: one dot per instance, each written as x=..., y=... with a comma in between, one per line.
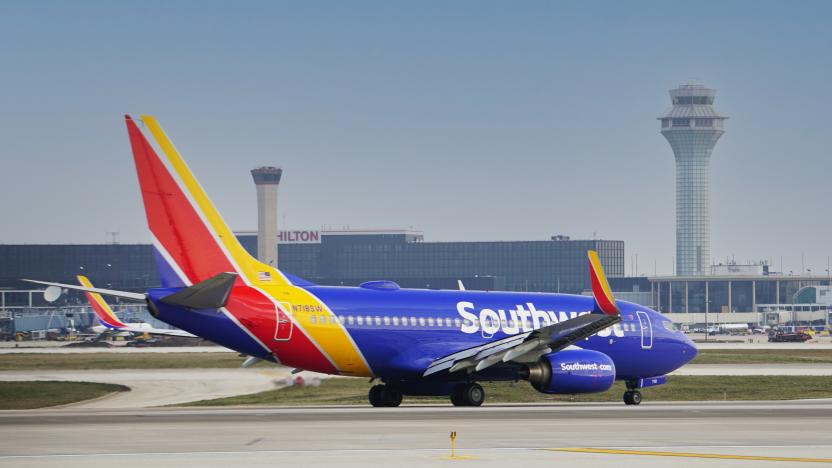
x=725, y=294
x=117, y=266
x=692, y=147
x=545, y=266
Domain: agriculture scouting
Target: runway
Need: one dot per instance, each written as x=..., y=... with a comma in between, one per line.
x=771, y=433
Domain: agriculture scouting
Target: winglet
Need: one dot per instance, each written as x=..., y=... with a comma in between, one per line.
x=604, y=302
x=102, y=310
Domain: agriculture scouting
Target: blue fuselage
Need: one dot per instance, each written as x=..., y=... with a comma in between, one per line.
x=400, y=332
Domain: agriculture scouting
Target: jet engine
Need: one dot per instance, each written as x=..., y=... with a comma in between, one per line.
x=572, y=371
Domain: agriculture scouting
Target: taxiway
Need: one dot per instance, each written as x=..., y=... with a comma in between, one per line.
x=653, y=434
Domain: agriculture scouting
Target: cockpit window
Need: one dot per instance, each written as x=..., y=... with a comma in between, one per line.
x=670, y=326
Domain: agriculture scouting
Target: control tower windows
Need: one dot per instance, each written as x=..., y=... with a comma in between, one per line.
x=685, y=100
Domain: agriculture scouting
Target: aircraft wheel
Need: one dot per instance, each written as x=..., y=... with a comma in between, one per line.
x=391, y=396
x=471, y=394
x=376, y=395
x=632, y=397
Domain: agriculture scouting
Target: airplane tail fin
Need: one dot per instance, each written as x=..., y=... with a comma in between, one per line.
x=604, y=302
x=191, y=241
x=103, y=312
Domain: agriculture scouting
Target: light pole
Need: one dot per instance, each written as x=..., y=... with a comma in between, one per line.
x=707, y=306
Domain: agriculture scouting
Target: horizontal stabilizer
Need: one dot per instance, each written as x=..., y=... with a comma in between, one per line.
x=209, y=294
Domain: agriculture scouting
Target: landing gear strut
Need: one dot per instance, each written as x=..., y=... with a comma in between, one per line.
x=385, y=395
x=470, y=394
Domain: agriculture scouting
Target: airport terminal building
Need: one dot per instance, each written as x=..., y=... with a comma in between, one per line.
x=734, y=294
x=325, y=257
x=729, y=294
x=341, y=258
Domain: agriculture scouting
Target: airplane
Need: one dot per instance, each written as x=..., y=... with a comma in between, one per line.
x=415, y=342
x=108, y=322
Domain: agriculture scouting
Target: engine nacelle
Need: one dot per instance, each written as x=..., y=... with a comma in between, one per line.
x=572, y=371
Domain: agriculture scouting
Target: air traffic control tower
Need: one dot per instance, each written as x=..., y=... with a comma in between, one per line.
x=692, y=127
x=267, y=180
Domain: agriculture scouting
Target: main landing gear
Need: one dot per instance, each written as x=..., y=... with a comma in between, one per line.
x=385, y=396
x=469, y=394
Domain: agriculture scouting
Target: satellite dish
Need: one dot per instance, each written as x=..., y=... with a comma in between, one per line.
x=52, y=293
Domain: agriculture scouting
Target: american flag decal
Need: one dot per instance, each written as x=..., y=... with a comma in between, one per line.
x=264, y=276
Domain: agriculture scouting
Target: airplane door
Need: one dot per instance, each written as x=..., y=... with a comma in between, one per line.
x=646, y=329
x=285, y=324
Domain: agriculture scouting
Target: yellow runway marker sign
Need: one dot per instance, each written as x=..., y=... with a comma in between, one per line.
x=690, y=455
x=454, y=456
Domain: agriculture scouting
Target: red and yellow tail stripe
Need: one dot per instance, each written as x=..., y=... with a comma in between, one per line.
x=102, y=310
x=194, y=237
x=600, y=287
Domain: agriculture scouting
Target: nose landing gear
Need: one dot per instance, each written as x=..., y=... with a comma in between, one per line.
x=632, y=397
x=385, y=396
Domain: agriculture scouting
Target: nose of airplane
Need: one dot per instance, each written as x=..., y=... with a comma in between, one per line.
x=689, y=350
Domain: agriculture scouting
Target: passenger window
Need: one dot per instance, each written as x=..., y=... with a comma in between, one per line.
x=430, y=321
x=421, y=321
x=457, y=322
x=368, y=320
x=448, y=322
x=341, y=319
x=378, y=320
x=313, y=318
x=413, y=321
x=350, y=320
x=386, y=321
x=359, y=320
x=395, y=321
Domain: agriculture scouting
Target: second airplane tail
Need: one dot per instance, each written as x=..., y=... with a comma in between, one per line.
x=102, y=310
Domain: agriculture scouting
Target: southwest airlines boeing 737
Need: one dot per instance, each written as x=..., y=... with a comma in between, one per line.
x=415, y=342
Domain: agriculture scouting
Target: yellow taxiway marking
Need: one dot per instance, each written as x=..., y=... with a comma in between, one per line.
x=691, y=455
x=460, y=457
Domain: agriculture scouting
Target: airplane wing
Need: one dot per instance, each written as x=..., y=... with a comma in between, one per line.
x=106, y=292
x=108, y=319
x=529, y=346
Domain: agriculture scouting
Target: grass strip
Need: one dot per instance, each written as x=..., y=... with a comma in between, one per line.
x=348, y=391
x=41, y=394
x=764, y=356
x=174, y=360
x=110, y=360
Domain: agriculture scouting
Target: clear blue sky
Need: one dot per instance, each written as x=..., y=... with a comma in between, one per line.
x=469, y=120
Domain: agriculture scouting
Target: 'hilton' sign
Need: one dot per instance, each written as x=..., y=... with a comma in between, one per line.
x=299, y=237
